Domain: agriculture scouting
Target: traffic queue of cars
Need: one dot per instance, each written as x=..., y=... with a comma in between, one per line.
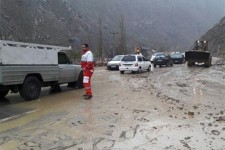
x=138, y=63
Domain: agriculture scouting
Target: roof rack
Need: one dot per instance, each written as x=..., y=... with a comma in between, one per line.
x=32, y=45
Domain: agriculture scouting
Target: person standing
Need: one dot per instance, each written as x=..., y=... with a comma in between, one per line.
x=138, y=51
x=87, y=64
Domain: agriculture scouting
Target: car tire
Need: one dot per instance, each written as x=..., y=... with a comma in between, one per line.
x=139, y=70
x=149, y=68
x=30, y=89
x=3, y=91
x=189, y=63
x=167, y=64
x=121, y=72
x=154, y=66
x=79, y=82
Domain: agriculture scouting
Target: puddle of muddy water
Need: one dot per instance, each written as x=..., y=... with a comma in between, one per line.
x=23, y=112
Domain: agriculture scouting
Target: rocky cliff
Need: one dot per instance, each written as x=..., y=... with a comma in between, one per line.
x=216, y=38
x=156, y=24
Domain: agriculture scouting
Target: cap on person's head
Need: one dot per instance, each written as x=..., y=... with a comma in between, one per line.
x=85, y=45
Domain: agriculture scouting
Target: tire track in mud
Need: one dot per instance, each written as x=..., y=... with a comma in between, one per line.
x=188, y=82
x=137, y=114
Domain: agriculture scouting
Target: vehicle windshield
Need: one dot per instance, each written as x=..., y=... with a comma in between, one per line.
x=157, y=53
x=176, y=55
x=160, y=56
x=128, y=58
x=117, y=58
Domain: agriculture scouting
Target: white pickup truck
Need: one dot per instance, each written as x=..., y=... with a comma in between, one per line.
x=26, y=67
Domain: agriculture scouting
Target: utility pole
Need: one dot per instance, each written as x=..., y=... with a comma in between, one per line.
x=122, y=44
x=113, y=34
x=1, y=33
x=100, y=42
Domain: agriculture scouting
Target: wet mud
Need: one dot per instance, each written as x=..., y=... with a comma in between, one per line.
x=170, y=108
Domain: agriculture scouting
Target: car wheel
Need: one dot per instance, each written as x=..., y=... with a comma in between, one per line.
x=30, y=89
x=154, y=66
x=149, y=68
x=3, y=92
x=160, y=66
x=79, y=82
x=121, y=72
x=189, y=63
x=139, y=70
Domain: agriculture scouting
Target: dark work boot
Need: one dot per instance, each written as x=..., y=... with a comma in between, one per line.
x=88, y=97
x=85, y=95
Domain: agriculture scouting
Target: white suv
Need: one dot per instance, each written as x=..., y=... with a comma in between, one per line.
x=134, y=63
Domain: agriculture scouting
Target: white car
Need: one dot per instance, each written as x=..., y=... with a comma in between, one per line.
x=115, y=62
x=134, y=63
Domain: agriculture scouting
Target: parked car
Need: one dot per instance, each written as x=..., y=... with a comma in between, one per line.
x=134, y=63
x=154, y=54
x=115, y=62
x=162, y=59
x=178, y=58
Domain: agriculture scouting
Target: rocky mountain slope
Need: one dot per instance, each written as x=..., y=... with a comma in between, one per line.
x=36, y=21
x=156, y=24
x=216, y=38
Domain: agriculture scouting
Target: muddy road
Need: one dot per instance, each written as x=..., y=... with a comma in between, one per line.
x=170, y=108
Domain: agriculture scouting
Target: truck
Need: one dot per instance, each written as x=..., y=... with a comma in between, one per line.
x=27, y=67
x=199, y=54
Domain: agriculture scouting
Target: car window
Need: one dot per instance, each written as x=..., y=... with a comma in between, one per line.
x=63, y=59
x=160, y=56
x=157, y=53
x=139, y=59
x=144, y=59
x=128, y=58
x=117, y=58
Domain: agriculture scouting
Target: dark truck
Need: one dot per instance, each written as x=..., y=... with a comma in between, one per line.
x=199, y=54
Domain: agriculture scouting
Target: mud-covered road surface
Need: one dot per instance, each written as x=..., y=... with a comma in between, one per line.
x=170, y=108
